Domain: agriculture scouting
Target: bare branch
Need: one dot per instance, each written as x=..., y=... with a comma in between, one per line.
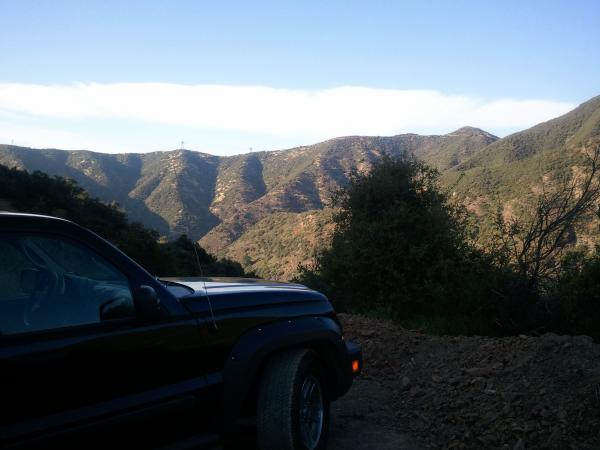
x=538, y=236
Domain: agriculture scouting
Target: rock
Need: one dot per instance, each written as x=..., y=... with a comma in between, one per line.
x=583, y=341
x=479, y=371
x=554, y=439
x=551, y=337
x=416, y=392
x=405, y=382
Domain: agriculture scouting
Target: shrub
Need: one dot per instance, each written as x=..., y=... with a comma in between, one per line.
x=579, y=292
x=401, y=246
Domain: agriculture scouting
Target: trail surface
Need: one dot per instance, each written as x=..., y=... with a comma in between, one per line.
x=427, y=392
x=361, y=420
x=364, y=419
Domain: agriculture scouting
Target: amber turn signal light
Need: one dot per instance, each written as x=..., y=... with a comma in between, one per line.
x=355, y=366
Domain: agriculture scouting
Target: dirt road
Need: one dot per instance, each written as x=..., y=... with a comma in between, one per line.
x=419, y=391
x=361, y=420
x=364, y=419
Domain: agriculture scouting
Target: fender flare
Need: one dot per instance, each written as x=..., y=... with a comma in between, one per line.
x=253, y=348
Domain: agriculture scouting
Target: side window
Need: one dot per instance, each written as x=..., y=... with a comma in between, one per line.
x=52, y=282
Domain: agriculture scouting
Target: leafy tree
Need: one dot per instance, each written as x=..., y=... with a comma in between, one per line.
x=57, y=196
x=401, y=246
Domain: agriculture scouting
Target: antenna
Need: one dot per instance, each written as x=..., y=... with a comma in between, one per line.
x=213, y=325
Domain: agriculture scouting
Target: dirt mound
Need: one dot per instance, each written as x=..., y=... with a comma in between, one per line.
x=483, y=393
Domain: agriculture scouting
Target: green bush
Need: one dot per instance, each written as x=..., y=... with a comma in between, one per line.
x=40, y=194
x=400, y=246
x=579, y=293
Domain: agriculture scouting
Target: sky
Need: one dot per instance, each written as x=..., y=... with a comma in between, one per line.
x=226, y=77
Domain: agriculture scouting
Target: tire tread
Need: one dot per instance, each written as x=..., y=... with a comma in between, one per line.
x=276, y=399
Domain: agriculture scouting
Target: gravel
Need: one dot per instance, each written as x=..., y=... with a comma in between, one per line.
x=477, y=392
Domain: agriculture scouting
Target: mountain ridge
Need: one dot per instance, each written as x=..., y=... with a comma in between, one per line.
x=185, y=191
x=220, y=199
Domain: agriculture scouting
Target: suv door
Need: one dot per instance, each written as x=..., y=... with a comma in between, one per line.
x=74, y=356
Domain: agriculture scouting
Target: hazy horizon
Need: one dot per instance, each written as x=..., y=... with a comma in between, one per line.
x=118, y=77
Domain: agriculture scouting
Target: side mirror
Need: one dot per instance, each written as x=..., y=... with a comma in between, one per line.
x=147, y=303
x=117, y=308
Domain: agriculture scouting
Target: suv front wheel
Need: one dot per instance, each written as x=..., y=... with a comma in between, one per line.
x=293, y=405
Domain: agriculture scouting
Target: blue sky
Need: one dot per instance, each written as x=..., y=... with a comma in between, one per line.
x=225, y=76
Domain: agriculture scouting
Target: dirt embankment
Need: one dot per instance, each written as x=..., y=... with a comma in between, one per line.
x=472, y=392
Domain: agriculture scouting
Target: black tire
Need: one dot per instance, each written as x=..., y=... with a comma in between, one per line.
x=280, y=400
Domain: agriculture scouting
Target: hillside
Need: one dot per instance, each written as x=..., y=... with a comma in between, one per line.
x=517, y=160
x=557, y=134
x=275, y=245
x=37, y=193
x=218, y=199
x=232, y=203
x=303, y=178
x=167, y=191
x=512, y=167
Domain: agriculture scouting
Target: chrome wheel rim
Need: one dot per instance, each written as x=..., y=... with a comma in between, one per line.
x=311, y=412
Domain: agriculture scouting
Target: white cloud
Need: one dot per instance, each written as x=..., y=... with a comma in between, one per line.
x=305, y=114
x=43, y=137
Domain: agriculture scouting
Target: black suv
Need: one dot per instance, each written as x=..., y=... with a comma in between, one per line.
x=95, y=350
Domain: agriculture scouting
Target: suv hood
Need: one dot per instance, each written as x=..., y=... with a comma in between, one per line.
x=223, y=285
x=233, y=294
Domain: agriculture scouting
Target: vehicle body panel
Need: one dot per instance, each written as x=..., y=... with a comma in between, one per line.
x=200, y=359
